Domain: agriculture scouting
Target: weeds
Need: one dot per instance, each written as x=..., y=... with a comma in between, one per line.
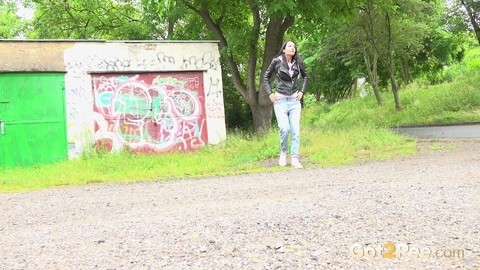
x=351, y=131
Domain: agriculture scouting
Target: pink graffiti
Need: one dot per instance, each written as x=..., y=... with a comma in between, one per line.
x=154, y=112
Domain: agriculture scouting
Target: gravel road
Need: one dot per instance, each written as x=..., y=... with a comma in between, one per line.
x=425, y=208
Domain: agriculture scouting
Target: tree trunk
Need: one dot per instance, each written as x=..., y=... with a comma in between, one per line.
x=262, y=107
x=353, y=88
x=390, y=63
x=259, y=103
x=262, y=118
x=405, y=71
x=372, y=73
x=170, y=27
x=398, y=106
x=472, y=14
x=394, y=84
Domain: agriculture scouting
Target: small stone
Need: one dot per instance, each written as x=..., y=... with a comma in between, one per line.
x=315, y=255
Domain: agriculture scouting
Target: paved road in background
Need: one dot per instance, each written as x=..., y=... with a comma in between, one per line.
x=446, y=131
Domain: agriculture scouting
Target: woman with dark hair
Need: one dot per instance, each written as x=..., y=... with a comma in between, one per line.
x=287, y=65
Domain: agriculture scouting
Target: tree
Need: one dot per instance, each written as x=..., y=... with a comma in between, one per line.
x=472, y=10
x=335, y=36
x=89, y=19
x=444, y=45
x=400, y=30
x=250, y=34
x=11, y=24
x=333, y=72
x=386, y=34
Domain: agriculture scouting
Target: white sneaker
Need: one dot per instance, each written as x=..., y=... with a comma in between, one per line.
x=283, y=159
x=296, y=164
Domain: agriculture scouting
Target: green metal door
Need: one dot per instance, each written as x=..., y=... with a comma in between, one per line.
x=33, y=119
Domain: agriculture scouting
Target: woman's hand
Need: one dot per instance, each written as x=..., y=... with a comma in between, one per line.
x=272, y=97
x=299, y=95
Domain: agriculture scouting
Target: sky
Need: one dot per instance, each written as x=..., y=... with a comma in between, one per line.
x=22, y=11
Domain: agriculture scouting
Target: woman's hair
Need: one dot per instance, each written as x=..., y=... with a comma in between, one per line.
x=295, y=57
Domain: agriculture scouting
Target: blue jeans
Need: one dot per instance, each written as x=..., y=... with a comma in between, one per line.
x=287, y=112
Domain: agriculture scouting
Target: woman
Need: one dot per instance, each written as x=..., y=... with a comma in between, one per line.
x=287, y=65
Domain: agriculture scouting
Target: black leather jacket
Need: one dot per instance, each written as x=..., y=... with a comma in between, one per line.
x=285, y=84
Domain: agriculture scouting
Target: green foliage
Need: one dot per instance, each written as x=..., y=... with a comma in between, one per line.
x=250, y=33
x=89, y=19
x=362, y=30
x=281, y=7
x=468, y=68
x=309, y=100
x=443, y=47
x=162, y=8
x=470, y=11
x=330, y=72
x=458, y=101
x=329, y=34
x=472, y=60
x=453, y=18
x=238, y=115
x=11, y=25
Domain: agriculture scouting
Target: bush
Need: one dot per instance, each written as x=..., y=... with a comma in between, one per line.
x=470, y=66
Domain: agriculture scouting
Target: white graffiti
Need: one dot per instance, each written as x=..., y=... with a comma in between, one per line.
x=147, y=117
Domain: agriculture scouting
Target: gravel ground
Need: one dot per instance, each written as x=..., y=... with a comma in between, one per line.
x=349, y=217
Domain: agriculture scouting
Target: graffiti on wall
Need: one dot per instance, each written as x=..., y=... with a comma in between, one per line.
x=85, y=60
x=149, y=112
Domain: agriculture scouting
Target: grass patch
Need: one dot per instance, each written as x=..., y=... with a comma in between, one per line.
x=332, y=135
x=356, y=145
x=441, y=145
x=436, y=147
x=240, y=153
x=453, y=102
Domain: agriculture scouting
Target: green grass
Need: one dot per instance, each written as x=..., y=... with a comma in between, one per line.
x=441, y=104
x=332, y=135
x=358, y=144
x=239, y=154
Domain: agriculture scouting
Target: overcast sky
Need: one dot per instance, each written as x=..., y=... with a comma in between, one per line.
x=22, y=11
